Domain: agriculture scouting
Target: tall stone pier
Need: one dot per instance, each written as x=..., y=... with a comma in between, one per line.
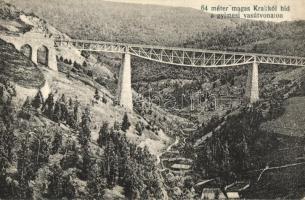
x=124, y=87
x=252, y=91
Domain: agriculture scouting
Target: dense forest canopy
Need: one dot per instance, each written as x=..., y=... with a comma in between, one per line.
x=286, y=38
x=123, y=22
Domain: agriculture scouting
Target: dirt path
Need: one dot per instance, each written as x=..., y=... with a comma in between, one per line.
x=277, y=167
x=168, y=149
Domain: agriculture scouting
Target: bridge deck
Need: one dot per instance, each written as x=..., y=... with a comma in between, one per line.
x=182, y=56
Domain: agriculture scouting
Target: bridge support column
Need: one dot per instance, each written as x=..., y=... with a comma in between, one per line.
x=124, y=87
x=34, y=54
x=52, y=62
x=252, y=91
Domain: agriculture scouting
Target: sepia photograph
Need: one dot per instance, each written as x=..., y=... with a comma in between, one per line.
x=152, y=99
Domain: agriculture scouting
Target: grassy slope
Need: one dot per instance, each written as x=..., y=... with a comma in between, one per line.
x=95, y=19
x=292, y=122
x=10, y=21
x=102, y=112
x=26, y=73
x=19, y=68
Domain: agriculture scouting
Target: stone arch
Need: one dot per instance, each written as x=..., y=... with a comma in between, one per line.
x=27, y=50
x=43, y=55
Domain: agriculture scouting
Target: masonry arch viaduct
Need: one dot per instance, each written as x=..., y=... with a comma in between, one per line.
x=36, y=46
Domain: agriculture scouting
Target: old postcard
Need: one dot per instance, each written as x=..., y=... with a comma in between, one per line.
x=152, y=99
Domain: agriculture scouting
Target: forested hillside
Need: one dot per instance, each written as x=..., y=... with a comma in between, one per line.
x=78, y=143
x=75, y=142
x=123, y=22
x=285, y=38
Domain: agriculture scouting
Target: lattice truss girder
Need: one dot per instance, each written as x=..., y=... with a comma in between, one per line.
x=281, y=60
x=191, y=58
x=182, y=56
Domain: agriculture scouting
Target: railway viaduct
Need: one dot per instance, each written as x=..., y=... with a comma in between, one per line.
x=181, y=57
x=36, y=46
x=42, y=46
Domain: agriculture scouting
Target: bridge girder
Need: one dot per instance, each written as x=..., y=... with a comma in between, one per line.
x=182, y=56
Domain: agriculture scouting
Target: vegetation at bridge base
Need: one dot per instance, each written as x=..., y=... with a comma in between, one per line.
x=285, y=183
x=46, y=146
x=54, y=147
x=40, y=159
x=236, y=147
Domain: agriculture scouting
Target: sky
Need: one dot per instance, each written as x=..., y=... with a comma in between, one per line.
x=297, y=7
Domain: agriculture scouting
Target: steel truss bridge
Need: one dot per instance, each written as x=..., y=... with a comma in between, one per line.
x=182, y=56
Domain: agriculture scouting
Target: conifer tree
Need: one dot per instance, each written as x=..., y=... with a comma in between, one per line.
x=4, y=162
x=111, y=161
x=133, y=181
x=114, y=171
x=84, y=64
x=125, y=124
x=86, y=160
x=68, y=75
x=57, y=112
x=104, y=100
x=70, y=120
x=123, y=158
x=71, y=155
x=75, y=111
x=70, y=103
x=84, y=139
x=63, y=99
x=27, y=102
x=96, y=183
x=38, y=100
x=48, y=106
x=96, y=95
x=24, y=167
x=116, y=126
x=55, y=187
x=8, y=137
x=57, y=141
x=39, y=148
x=63, y=108
x=70, y=114
x=103, y=134
x=84, y=132
x=139, y=128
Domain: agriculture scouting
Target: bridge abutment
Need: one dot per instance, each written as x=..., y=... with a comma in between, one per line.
x=124, y=87
x=252, y=91
x=34, y=41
